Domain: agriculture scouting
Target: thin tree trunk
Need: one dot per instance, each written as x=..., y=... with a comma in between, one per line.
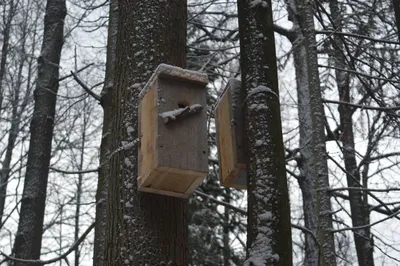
x=305, y=163
x=396, y=6
x=106, y=97
x=142, y=228
x=29, y=235
x=268, y=231
x=80, y=183
x=226, y=230
x=5, y=170
x=302, y=11
x=359, y=211
x=5, y=47
x=18, y=108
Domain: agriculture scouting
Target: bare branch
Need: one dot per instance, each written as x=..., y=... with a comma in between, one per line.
x=85, y=87
x=79, y=70
x=63, y=256
x=74, y=172
x=393, y=108
x=367, y=225
x=328, y=32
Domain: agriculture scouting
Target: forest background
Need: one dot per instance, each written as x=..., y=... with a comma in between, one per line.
x=357, y=45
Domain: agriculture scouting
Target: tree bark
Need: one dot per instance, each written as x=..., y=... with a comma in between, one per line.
x=5, y=47
x=302, y=11
x=358, y=206
x=18, y=107
x=305, y=162
x=142, y=228
x=396, y=6
x=29, y=235
x=5, y=170
x=226, y=229
x=269, y=232
x=106, y=101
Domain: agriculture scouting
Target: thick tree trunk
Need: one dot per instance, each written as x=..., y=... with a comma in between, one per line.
x=305, y=163
x=142, y=228
x=359, y=207
x=302, y=12
x=30, y=228
x=269, y=232
x=106, y=100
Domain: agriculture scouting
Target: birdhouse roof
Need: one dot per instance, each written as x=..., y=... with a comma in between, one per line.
x=164, y=70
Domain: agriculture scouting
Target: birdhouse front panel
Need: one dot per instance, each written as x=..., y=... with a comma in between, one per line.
x=173, y=153
x=229, y=121
x=182, y=143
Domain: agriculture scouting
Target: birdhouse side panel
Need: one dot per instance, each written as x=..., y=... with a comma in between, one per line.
x=225, y=136
x=238, y=118
x=148, y=119
x=229, y=119
x=182, y=143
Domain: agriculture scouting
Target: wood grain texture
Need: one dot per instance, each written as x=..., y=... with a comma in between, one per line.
x=229, y=126
x=173, y=157
x=147, y=133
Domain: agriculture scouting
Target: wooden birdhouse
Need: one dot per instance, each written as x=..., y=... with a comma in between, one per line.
x=229, y=121
x=173, y=152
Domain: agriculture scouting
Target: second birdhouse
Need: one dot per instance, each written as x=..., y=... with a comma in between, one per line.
x=229, y=121
x=173, y=153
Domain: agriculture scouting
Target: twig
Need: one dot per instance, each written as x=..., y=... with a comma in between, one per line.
x=393, y=108
x=63, y=256
x=86, y=88
x=79, y=70
x=74, y=172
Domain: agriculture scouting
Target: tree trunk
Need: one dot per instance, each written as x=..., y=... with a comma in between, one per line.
x=302, y=11
x=226, y=230
x=396, y=6
x=359, y=208
x=142, y=228
x=106, y=97
x=18, y=107
x=85, y=119
x=29, y=234
x=5, y=170
x=269, y=231
x=5, y=47
x=305, y=162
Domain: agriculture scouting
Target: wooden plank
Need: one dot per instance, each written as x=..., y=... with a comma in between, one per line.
x=147, y=134
x=183, y=143
x=230, y=136
x=225, y=137
x=173, y=180
x=196, y=183
x=163, y=192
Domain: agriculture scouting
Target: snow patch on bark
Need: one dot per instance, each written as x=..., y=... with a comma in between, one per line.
x=260, y=89
x=256, y=3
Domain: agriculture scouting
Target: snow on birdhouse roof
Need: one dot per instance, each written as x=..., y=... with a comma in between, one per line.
x=164, y=70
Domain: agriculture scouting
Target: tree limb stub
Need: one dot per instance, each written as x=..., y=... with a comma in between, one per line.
x=172, y=115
